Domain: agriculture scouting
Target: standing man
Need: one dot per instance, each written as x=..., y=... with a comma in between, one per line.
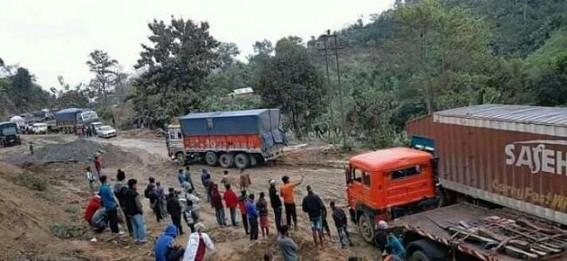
x=313, y=206
x=206, y=180
x=109, y=203
x=341, y=221
x=276, y=203
x=252, y=217
x=262, y=207
x=181, y=177
x=90, y=178
x=189, y=179
x=245, y=181
x=98, y=166
x=286, y=191
x=242, y=206
x=216, y=203
x=150, y=193
x=120, y=191
x=134, y=212
x=31, y=148
x=174, y=209
x=231, y=201
x=287, y=246
x=159, y=205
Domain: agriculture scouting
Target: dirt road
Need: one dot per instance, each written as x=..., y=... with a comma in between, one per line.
x=145, y=157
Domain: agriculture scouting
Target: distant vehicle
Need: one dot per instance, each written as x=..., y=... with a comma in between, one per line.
x=484, y=182
x=174, y=142
x=39, y=128
x=9, y=134
x=233, y=138
x=68, y=120
x=106, y=131
x=96, y=125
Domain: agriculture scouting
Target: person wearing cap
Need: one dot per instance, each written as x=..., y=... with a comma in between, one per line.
x=314, y=207
x=276, y=203
x=286, y=191
x=198, y=244
x=381, y=235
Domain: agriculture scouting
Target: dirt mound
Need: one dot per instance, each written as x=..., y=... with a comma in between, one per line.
x=80, y=150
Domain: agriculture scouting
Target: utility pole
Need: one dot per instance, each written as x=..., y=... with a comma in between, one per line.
x=331, y=90
x=343, y=119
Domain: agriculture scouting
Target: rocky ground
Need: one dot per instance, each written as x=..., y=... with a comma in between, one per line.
x=42, y=200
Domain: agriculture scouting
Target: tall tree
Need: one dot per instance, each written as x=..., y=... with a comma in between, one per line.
x=290, y=82
x=446, y=48
x=175, y=64
x=227, y=52
x=104, y=69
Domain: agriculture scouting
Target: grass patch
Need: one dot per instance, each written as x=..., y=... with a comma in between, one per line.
x=29, y=180
x=66, y=231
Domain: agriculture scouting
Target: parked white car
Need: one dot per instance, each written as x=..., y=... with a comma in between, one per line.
x=106, y=131
x=96, y=125
x=39, y=128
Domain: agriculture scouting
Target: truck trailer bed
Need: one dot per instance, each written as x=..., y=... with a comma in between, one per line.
x=478, y=231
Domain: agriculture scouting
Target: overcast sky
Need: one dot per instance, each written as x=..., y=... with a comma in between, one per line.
x=54, y=37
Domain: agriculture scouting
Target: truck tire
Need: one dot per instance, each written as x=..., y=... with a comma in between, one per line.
x=426, y=250
x=419, y=255
x=211, y=158
x=180, y=157
x=242, y=160
x=366, y=228
x=226, y=160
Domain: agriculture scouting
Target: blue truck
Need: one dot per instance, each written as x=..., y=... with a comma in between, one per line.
x=232, y=138
x=67, y=120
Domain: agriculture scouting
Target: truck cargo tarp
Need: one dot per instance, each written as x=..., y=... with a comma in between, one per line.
x=263, y=122
x=69, y=114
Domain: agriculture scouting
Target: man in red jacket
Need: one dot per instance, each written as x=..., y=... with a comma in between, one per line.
x=231, y=203
x=92, y=207
x=98, y=166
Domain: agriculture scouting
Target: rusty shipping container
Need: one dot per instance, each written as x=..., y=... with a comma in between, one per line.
x=514, y=156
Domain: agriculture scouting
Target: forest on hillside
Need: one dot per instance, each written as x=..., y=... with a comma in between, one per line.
x=419, y=57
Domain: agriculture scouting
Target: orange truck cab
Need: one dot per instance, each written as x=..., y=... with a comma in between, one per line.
x=389, y=183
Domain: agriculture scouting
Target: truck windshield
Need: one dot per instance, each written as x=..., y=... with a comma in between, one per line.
x=9, y=130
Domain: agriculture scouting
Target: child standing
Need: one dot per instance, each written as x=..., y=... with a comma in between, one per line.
x=262, y=206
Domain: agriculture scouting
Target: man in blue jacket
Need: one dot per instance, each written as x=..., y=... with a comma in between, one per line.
x=252, y=214
x=166, y=247
x=110, y=203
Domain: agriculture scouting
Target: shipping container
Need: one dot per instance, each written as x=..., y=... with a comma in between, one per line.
x=233, y=138
x=513, y=156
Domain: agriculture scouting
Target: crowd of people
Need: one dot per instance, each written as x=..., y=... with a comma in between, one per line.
x=122, y=203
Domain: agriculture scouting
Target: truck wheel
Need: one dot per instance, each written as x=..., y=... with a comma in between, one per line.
x=419, y=256
x=242, y=160
x=211, y=158
x=180, y=157
x=426, y=250
x=366, y=228
x=226, y=160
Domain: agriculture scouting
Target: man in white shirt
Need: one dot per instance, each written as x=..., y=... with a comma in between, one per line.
x=197, y=244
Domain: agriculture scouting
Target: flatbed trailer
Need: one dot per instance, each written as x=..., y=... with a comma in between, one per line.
x=473, y=232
